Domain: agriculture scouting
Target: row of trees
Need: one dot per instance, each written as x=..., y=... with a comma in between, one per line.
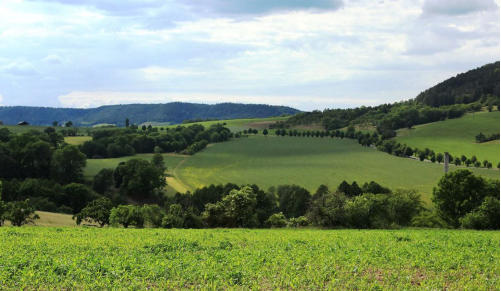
x=125, y=142
x=388, y=145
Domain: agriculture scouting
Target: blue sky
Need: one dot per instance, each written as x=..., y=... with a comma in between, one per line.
x=302, y=53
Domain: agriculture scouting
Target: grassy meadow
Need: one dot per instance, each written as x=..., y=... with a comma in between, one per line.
x=457, y=136
x=238, y=124
x=308, y=162
x=113, y=258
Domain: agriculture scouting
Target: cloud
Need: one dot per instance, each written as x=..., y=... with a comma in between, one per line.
x=457, y=7
x=331, y=53
x=19, y=68
x=1, y=99
x=53, y=59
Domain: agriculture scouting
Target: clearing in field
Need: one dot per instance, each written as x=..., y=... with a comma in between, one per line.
x=308, y=162
x=93, y=259
x=77, y=140
x=457, y=136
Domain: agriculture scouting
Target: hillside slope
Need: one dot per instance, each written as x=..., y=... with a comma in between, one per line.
x=478, y=84
x=457, y=136
x=175, y=112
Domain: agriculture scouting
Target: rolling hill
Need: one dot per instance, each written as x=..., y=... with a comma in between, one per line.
x=308, y=162
x=175, y=112
x=457, y=136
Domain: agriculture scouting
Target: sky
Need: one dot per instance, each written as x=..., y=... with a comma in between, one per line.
x=302, y=53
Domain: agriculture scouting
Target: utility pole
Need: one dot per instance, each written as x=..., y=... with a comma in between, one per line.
x=446, y=162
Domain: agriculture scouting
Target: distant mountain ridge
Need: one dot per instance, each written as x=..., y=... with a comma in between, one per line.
x=174, y=112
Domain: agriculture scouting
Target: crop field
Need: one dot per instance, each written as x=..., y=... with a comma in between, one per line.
x=93, y=258
x=308, y=162
x=457, y=136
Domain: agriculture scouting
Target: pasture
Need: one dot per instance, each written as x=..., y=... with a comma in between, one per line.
x=238, y=124
x=114, y=258
x=457, y=136
x=308, y=162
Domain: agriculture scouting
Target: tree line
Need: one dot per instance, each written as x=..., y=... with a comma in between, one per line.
x=112, y=143
x=390, y=146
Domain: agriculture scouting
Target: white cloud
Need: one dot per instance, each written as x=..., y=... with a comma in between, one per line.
x=361, y=52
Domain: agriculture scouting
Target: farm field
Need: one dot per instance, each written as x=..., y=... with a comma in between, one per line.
x=308, y=162
x=113, y=258
x=457, y=136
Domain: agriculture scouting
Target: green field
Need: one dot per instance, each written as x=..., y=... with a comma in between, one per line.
x=95, y=259
x=77, y=140
x=238, y=124
x=308, y=162
x=457, y=136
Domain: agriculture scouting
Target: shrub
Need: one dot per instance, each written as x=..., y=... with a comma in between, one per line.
x=20, y=213
x=277, y=220
x=486, y=216
x=97, y=211
x=300, y=221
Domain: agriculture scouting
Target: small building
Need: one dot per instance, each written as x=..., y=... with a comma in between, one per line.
x=23, y=123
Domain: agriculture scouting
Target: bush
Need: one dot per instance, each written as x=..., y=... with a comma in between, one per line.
x=127, y=215
x=486, y=216
x=97, y=211
x=428, y=218
x=20, y=213
x=277, y=220
x=300, y=221
x=153, y=215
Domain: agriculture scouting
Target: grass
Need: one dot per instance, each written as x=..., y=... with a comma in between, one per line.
x=95, y=259
x=238, y=124
x=308, y=162
x=77, y=140
x=457, y=136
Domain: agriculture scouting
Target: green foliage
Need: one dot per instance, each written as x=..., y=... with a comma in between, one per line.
x=276, y=259
x=475, y=85
x=427, y=218
x=103, y=181
x=67, y=165
x=485, y=216
x=153, y=215
x=97, y=211
x=127, y=215
x=459, y=193
x=138, y=178
x=293, y=200
x=20, y=213
x=277, y=220
x=175, y=112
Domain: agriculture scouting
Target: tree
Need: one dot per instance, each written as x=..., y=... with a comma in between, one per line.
x=3, y=207
x=293, y=200
x=440, y=157
x=457, y=161
x=460, y=192
x=20, y=213
x=486, y=216
x=158, y=161
x=68, y=164
x=138, y=178
x=174, y=217
x=55, y=123
x=103, y=181
x=97, y=211
x=265, y=132
x=153, y=215
x=463, y=158
x=127, y=122
x=277, y=220
x=68, y=124
x=77, y=196
x=127, y=215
